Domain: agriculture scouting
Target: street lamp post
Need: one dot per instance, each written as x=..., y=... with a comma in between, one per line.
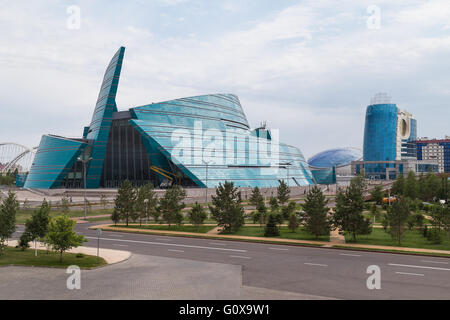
x=85, y=161
x=206, y=191
x=287, y=165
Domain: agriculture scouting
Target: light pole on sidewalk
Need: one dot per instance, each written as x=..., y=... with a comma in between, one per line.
x=85, y=160
x=206, y=191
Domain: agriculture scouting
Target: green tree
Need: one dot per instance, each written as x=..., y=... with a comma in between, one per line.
x=227, y=207
x=293, y=222
x=197, y=215
x=37, y=226
x=348, y=215
x=398, y=186
x=283, y=193
x=432, y=184
x=24, y=241
x=438, y=217
x=146, y=201
x=274, y=206
x=116, y=217
x=151, y=203
x=410, y=186
x=271, y=227
x=124, y=203
x=8, y=210
x=256, y=198
x=444, y=188
x=170, y=205
x=61, y=235
x=64, y=205
x=376, y=194
x=315, y=213
x=397, y=216
x=103, y=201
x=286, y=211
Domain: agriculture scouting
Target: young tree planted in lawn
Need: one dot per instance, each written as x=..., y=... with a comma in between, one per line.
x=197, y=215
x=24, y=241
x=348, y=215
x=283, y=193
x=103, y=201
x=64, y=205
x=397, y=217
x=227, y=207
x=256, y=198
x=37, y=226
x=124, y=203
x=8, y=210
x=293, y=222
x=170, y=205
x=61, y=235
x=376, y=194
x=288, y=210
x=271, y=227
x=150, y=203
x=274, y=206
x=315, y=213
x=410, y=187
x=398, y=186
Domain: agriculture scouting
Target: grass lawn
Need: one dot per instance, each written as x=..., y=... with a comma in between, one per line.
x=23, y=215
x=182, y=228
x=15, y=256
x=285, y=233
x=411, y=239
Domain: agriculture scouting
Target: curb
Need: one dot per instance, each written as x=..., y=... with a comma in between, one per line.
x=321, y=245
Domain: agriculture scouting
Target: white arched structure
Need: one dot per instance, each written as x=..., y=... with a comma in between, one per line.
x=15, y=156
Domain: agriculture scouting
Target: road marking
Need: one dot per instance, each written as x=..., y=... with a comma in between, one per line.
x=173, y=250
x=115, y=235
x=411, y=274
x=120, y=245
x=316, y=264
x=170, y=244
x=279, y=249
x=350, y=255
x=420, y=267
x=163, y=239
x=429, y=261
x=218, y=244
x=240, y=257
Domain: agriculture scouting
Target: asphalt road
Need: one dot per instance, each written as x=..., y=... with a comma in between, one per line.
x=322, y=272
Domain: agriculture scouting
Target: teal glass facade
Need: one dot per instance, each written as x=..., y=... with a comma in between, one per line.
x=54, y=159
x=98, y=131
x=202, y=141
x=380, y=133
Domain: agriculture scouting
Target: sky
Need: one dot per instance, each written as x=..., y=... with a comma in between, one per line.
x=308, y=68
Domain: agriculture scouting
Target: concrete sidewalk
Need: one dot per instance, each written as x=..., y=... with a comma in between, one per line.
x=109, y=227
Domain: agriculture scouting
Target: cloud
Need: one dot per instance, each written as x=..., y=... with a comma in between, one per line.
x=308, y=69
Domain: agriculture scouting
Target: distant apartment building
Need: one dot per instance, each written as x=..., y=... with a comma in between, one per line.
x=436, y=150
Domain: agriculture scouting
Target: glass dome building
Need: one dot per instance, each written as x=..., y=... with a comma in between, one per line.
x=335, y=158
x=327, y=164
